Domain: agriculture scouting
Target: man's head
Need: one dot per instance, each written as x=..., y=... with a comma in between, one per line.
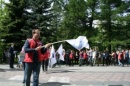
x=12, y=44
x=36, y=34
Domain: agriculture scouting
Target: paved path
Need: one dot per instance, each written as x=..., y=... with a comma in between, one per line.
x=71, y=76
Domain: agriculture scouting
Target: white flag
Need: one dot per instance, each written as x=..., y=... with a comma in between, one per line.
x=79, y=43
x=84, y=41
x=87, y=46
x=61, y=52
x=52, y=56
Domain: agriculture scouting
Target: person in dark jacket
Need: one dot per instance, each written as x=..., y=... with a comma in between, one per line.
x=11, y=55
x=34, y=51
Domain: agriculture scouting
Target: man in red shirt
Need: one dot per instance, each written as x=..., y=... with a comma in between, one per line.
x=34, y=51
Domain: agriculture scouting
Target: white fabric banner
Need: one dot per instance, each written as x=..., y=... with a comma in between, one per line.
x=79, y=43
x=52, y=56
x=61, y=52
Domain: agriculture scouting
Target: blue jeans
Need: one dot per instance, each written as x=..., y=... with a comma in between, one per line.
x=32, y=68
x=81, y=61
x=90, y=60
x=24, y=71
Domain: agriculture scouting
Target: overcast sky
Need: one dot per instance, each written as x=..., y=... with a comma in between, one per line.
x=7, y=1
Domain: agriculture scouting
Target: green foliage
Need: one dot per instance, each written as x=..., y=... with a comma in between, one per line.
x=14, y=21
x=112, y=21
x=3, y=16
x=67, y=19
x=74, y=17
x=40, y=16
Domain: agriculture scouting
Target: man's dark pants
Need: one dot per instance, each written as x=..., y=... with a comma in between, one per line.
x=45, y=64
x=11, y=61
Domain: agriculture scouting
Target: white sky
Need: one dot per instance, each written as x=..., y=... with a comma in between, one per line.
x=7, y=1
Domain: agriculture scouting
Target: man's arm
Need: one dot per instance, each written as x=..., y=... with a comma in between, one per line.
x=27, y=48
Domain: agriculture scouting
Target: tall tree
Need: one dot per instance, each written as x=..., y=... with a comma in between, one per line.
x=109, y=11
x=58, y=11
x=78, y=19
x=15, y=21
x=91, y=16
x=123, y=24
x=74, y=19
x=40, y=16
x=3, y=15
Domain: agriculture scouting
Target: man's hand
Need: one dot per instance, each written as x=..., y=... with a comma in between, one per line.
x=38, y=48
x=48, y=45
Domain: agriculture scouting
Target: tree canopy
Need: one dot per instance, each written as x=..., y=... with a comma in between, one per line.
x=67, y=19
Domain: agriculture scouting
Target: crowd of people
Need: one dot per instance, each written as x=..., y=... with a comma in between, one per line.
x=94, y=57
x=86, y=57
x=34, y=55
